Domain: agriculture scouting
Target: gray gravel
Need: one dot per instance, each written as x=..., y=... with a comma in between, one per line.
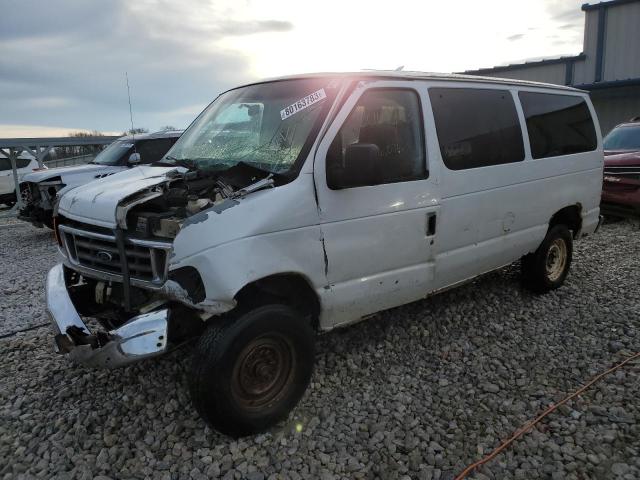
x=26, y=254
x=418, y=392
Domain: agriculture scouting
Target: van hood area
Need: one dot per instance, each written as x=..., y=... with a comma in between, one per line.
x=154, y=201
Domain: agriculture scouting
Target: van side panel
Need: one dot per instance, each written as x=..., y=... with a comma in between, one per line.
x=480, y=214
x=487, y=217
x=493, y=215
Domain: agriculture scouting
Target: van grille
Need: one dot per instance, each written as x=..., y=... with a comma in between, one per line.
x=99, y=252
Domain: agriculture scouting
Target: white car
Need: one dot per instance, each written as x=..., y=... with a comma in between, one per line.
x=25, y=163
x=40, y=189
x=302, y=204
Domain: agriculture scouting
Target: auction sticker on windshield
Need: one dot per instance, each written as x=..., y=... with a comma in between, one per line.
x=303, y=103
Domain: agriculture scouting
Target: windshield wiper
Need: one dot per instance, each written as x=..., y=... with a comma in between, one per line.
x=180, y=162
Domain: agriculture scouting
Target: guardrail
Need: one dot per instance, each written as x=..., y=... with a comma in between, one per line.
x=69, y=161
x=39, y=148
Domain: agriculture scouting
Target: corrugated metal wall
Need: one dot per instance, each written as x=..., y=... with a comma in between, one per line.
x=616, y=105
x=622, y=42
x=584, y=70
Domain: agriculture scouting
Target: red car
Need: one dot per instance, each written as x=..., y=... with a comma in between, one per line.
x=621, y=186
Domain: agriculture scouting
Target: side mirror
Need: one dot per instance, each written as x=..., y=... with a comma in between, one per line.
x=134, y=158
x=361, y=167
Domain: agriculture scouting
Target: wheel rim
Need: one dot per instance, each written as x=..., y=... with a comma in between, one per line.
x=556, y=259
x=263, y=372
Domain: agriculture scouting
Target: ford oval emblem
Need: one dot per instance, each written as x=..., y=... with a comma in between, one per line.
x=104, y=256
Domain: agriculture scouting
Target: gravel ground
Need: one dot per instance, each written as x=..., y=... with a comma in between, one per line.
x=417, y=392
x=26, y=254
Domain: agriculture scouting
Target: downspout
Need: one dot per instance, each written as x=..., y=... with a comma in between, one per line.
x=602, y=26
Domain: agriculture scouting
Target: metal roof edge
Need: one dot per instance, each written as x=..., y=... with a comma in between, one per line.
x=586, y=7
x=629, y=82
x=534, y=63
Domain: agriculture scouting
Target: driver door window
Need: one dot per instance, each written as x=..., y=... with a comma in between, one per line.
x=381, y=141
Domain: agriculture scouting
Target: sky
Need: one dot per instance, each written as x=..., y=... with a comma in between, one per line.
x=63, y=62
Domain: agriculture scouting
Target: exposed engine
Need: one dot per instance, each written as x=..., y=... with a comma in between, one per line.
x=136, y=252
x=161, y=211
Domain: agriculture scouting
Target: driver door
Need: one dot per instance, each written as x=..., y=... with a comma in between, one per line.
x=378, y=209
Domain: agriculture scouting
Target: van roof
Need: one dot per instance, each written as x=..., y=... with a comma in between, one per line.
x=392, y=74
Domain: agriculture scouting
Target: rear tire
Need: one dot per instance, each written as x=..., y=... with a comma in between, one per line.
x=249, y=371
x=547, y=268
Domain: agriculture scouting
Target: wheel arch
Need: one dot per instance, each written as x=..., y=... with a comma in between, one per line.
x=571, y=216
x=291, y=288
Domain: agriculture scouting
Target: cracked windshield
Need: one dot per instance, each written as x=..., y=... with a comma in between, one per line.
x=265, y=125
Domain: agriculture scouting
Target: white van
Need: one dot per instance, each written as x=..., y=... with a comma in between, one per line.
x=309, y=202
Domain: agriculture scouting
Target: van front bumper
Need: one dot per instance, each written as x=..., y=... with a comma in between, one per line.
x=141, y=337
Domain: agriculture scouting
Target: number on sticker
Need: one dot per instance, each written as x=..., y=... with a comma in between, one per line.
x=303, y=103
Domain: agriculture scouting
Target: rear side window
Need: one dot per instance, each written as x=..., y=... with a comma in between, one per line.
x=22, y=162
x=5, y=163
x=153, y=150
x=558, y=124
x=476, y=127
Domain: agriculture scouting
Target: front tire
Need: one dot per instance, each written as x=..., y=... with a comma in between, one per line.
x=249, y=371
x=547, y=268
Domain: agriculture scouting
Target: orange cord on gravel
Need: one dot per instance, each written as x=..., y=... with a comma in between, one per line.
x=528, y=426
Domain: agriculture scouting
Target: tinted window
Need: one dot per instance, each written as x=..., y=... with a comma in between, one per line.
x=558, y=124
x=114, y=153
x=5, y=163
x=153, y=150
x=623, y=138
x=380, y=142
x=476, y=128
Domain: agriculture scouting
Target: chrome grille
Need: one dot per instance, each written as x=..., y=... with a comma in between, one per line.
x=631, y=172
x=99, y=253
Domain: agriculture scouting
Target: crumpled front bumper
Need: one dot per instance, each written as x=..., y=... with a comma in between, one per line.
x=143, y=336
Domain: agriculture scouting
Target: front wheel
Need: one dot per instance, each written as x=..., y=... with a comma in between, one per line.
x=547, y=268
x=250, y=370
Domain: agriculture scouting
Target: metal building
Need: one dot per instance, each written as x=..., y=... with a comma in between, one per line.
x=609, y=66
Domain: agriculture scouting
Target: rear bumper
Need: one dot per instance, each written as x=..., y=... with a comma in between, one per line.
x=143, y=336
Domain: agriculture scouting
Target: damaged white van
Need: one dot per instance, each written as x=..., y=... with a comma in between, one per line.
x=297, y=205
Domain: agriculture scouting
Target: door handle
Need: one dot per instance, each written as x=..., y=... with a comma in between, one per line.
x=431, y=224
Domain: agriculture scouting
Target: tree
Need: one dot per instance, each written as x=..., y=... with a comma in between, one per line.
x=93, y=133
x=70, y=151
x=167, y=128
x=135, y=131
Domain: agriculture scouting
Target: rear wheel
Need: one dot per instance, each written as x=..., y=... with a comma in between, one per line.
x=547, y=268
x=250, y=370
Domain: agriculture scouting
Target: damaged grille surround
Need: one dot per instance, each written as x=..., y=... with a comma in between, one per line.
x=96, y=254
